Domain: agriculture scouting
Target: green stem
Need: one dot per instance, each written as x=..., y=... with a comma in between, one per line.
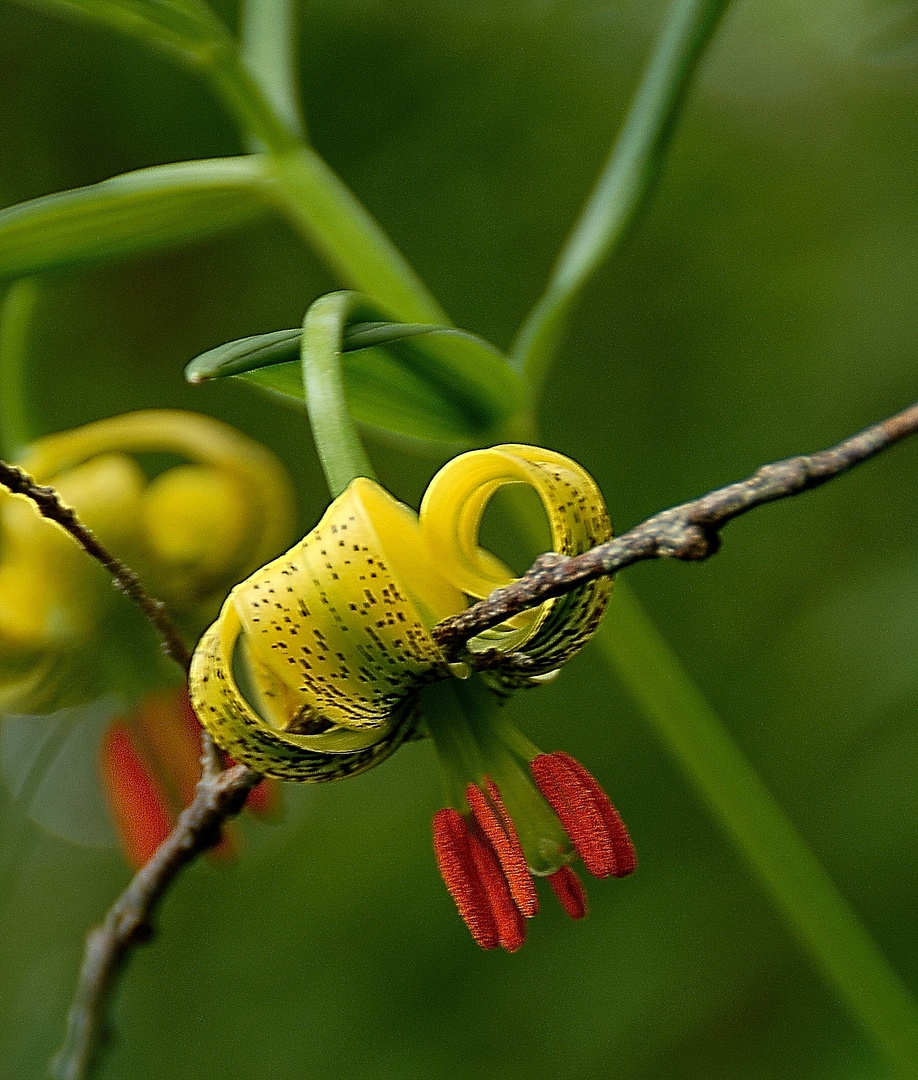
x=245, y=98
x=316, y=202
x=334, y=431
x=269, y=34
x=323, y=209
x=15, y=318
x=824, y=923
x=626, y=181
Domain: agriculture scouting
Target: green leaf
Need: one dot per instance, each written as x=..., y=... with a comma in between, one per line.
x=134, y=212
x=431, y=382
x=188, y=27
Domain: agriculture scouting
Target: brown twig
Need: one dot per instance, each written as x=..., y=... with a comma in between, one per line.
x=129, y=920
x=689, y=531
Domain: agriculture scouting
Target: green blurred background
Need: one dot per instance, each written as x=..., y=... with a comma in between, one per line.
x=765, y=306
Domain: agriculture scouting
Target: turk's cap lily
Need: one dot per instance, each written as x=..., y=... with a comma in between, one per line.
x=322, y=663
x=191, y=532
x=313, y=669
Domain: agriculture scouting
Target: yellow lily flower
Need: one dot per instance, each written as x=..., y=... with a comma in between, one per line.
x=322, y=663
x=192, y=532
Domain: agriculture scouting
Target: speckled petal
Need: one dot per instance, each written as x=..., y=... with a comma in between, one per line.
x=252, y=740
x=450, y=520
x=333, y=618
x=331, y=635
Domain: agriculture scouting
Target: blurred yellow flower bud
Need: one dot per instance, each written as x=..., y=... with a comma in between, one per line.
x=192, y=532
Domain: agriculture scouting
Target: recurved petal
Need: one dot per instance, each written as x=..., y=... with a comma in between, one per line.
x=341, y=620
x=247, y=737
x=450, y=520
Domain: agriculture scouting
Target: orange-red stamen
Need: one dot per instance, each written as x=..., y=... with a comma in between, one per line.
x=586, y=812
x=497, y=825
x=453, y=847
x=139, y=805
x=476, y=882
x=625, y=857
x=511, y=927
x=568, y=889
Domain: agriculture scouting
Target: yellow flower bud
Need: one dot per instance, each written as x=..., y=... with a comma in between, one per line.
x=191, y=532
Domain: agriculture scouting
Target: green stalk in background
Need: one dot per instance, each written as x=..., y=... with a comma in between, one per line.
x=824, y=923
x=268, y=31
x=626, y=182
x=15, y=318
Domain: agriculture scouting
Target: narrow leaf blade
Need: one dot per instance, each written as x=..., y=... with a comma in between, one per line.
x=184, y=26
x=135, y=212
x=435, y=383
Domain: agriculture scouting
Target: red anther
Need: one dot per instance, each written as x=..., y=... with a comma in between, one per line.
x=585, y=811
x=139, y=805
x=497, y=825
x=625, y=857
x=511, y=927
x=453, y=846
x=569, y=891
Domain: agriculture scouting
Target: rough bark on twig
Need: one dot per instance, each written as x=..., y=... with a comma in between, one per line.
x=689, y=531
